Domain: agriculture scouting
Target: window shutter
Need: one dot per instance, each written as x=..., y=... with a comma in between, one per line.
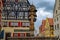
x=9, y=24
x=18, y=34
x=19, y=24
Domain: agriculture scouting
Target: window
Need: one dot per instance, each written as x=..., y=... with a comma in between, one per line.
x=51, y=26
x=20, y=15
x=15, y=34
x=57, y=18
x=52, y=33
x=24, y=8
x=4, y=14
x=8, y=8
x=57, y=26
x=8, y=34
x=22, y=34
x=25, y=24
x=18, y=34
x=56, y=11
x=19, y=8
x=5, y=24
x=26, y=15
x=18, y=5
x=14, y=24
x=12, y=14
x=24, y=4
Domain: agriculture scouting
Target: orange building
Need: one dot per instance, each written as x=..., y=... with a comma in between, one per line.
x=42, y=28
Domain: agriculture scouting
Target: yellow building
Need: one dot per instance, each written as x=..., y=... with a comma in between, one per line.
x=49, y=29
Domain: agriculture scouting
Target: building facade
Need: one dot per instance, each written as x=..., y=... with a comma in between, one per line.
x=18, y=18
x=56, y=16
x=42, y=29
x=46, y=28
x=49, y=29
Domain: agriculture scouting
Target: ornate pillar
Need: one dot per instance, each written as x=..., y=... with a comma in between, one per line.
x=32, y=18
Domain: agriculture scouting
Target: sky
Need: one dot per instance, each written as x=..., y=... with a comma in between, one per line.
x=44, y=9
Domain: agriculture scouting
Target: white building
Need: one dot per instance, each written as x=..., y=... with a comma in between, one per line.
x=56, y=16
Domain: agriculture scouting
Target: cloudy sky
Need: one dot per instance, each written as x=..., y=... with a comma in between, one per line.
x=44, y=9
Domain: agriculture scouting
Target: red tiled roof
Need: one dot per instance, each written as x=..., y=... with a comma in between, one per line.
x=43, y=22
x=50, y=21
